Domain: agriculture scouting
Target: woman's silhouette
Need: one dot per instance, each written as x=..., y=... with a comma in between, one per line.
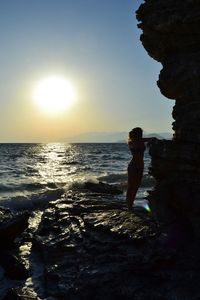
x=136, y=165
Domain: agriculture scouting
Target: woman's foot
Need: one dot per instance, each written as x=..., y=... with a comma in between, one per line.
x=129, y=205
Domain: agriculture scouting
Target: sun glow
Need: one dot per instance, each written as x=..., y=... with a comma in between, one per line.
x=54, y=95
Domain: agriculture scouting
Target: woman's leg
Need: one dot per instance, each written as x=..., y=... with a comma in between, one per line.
x=134, y=181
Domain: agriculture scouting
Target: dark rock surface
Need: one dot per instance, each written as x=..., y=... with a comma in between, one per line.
x=90, y=247
x=20, y=294
x=171, y=35
x=12, y=225
x=14, y=269
x=87, y=246
x=102, y=188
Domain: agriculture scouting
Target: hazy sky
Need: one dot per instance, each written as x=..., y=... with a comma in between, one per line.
x=94, y=44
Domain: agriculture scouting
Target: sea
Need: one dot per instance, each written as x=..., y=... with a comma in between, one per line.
x=33, y=174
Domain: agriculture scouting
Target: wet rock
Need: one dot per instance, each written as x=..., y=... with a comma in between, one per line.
x=21, y=294
x=12, y=224
x=171, y=35
x=14, y=269
x=90, y=247
x=102, y=188
x=94, y=250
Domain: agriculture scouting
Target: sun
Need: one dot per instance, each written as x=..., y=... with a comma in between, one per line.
x=54, y=94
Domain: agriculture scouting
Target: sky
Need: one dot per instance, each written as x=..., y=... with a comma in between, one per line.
x=95, y=45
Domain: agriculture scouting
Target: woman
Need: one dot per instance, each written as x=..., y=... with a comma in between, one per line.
x=136, y=165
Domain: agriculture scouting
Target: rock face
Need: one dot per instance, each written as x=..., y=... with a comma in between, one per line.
x=171, y=35
x=90, y=247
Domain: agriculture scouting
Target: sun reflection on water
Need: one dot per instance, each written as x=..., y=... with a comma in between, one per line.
x=50, y=166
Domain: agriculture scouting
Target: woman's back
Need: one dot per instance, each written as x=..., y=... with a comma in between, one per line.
x=137, y=147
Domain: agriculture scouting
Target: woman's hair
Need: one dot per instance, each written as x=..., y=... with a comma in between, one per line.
x=135, y=134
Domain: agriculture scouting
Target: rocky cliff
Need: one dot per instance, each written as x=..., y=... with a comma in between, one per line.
x=171, y=35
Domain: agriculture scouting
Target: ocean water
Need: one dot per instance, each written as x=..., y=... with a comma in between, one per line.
x=32, y=174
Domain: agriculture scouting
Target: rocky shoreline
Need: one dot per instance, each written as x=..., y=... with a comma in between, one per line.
x=85, y=245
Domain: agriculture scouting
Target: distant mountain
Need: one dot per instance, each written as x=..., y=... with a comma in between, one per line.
x=99, y=137
x=160, y=135
x=166, y=135
x=113, y=137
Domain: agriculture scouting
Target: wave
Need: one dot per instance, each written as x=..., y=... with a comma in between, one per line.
x=74, y=162
x=35, y=201
x=30, y=186
x=118, y=157
x=113, y=178
x=37, y=195
x=121, y=178
x=6, y=188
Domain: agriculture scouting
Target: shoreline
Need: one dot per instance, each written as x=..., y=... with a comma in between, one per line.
x=87, y=246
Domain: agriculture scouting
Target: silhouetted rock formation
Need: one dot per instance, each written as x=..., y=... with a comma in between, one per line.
x=171, y=35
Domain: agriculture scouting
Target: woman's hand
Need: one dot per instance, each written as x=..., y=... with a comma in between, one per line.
x=151, y=140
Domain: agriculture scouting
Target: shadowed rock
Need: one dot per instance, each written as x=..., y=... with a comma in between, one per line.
x=92, y=248
x=171, y=35
x=21, y=294
x=11, y=225
x=102, y=188
x=14, y=269
x=88, y=243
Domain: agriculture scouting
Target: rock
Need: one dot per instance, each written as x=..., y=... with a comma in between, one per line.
x=90, y=247
x=21, y=294
x=171, y=35
x=14, y=269
x=12, y=224
x=102, y=188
